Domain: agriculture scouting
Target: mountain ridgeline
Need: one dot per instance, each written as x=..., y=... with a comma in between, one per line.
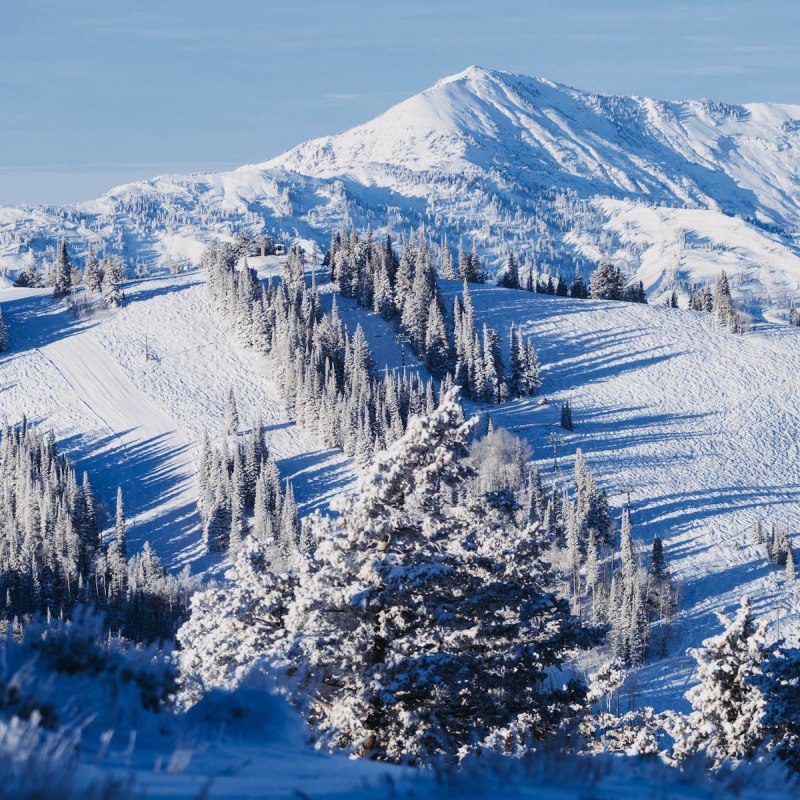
x=670, y=192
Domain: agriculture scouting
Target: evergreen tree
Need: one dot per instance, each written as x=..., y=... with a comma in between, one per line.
x=62, y=271
x=757, y=534
x=446, y=262
x=516, y=364
x=566, y=415
x=113, y=276
x=118, y=551
x=607, y=283
x=3, y=334
x=463, y=262
x=578, y=288
x=231, y=627
x=231, y=414
x=92, y=279
x=723, y=311
x=510, y=278
x=289, y=524
x=728, y=704
x=437, y=347
x=379, y=672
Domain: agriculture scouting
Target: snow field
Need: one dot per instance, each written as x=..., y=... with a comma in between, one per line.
x=701, y=426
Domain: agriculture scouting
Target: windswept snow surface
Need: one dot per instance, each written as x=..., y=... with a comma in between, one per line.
x=135, y=421
x=702, y=426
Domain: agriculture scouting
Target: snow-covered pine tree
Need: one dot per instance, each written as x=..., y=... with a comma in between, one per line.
x=533, y=379
x=464, y=272
x=728, y=703
x=231, y=414
x=673, y=299
x=606, y=283
x=578, y=288
x=476, y=274
x=780, y=685
x=757, y=534
x=3, y=334
x=606, y=684
x=289, y=522
x=446, y=261
x=510, y=277
x=360, y=581
x=780, y=544
x=92, y=279
x=118, y=552
x=62, y=271
x=724, y=313
x=113, y=276
x=237, y=501
x=516, y=364
x=592, y=502
x=437, y=346
x=230, y=628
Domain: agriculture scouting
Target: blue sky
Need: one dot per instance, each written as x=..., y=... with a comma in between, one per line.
x=95, y=93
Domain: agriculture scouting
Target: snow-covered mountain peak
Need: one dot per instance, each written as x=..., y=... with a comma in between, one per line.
x=563, y=176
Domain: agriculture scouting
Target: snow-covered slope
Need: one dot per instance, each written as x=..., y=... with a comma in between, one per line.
x=136, y=422
x=701, y=426
x=527, y=134
x=561, y=175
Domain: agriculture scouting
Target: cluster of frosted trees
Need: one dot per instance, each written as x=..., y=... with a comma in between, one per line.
x=50, y=536
x=51, y=557
x=745, y=705
x=105, y=277
x=607, y=283
x=102, y=279
x=613, y=588
x=328, y=376
x=240, y=492
x=404, y=289
x=420, y=624
x=777, y=544
x=719, y=304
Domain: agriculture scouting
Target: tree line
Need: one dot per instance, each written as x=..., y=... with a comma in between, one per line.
x=51, y=555
x=403, y=289
x=327, y=375
x=102, y=278
x=238, y=482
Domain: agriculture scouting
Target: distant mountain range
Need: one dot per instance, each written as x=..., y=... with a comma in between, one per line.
x=671, y=191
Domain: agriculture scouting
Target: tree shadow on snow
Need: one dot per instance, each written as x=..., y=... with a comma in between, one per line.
x=148, y=474
x=159, y=291
x=682, y=509
x=38, y=320
x=314, y=479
